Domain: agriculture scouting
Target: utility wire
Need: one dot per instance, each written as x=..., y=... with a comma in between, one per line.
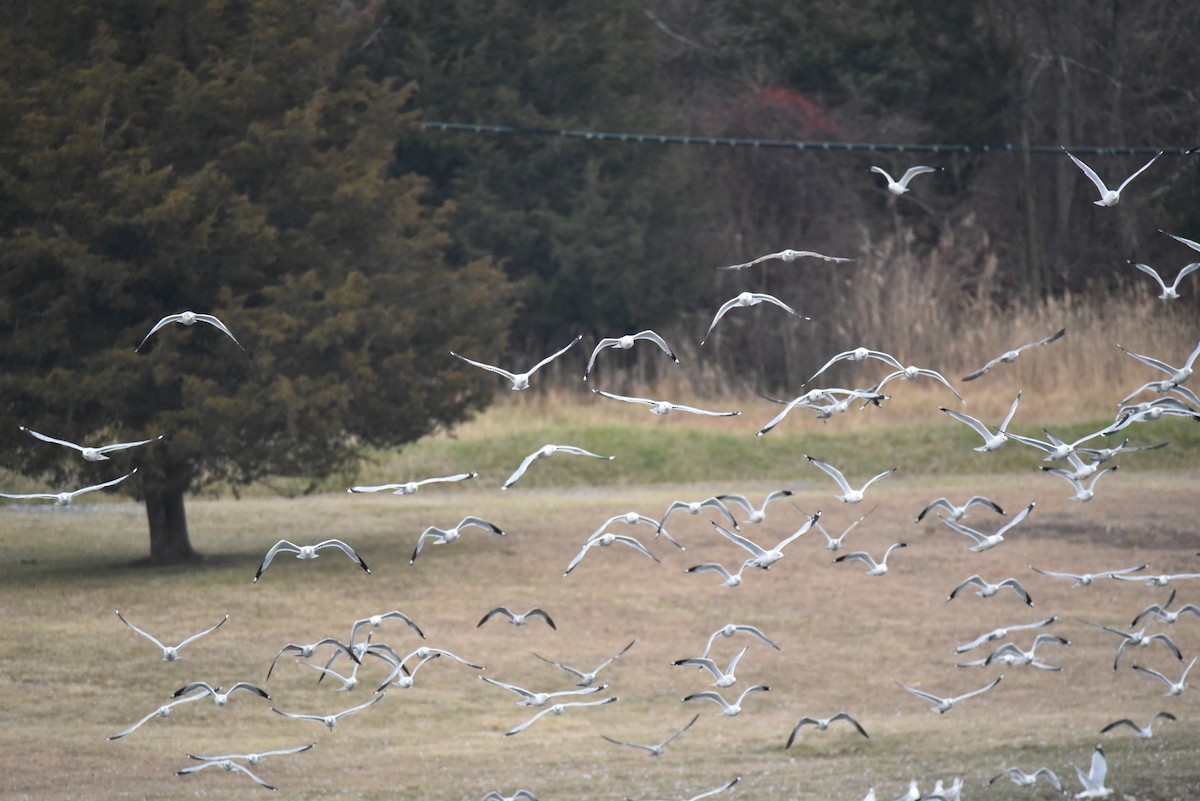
x=797, y=144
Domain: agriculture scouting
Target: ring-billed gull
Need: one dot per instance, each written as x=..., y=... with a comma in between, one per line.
x=694, y=508
x=987, y=589
x=586, y=677
x=723, y=678
x=494, y=795
x=308, y=552
x=519, y=380
x=959, y=512
x=90, y=454
x=1012, y=655
x=1176, y=375
x=755, y=514
x=1141, y=732
x=1108, y=197
x=1085, y=579
x=835, y=543
x=190, y=318
x=306, y=650
x=786, y=255
x=1160, y=580
x=517, y=618
x=1082, y=493
x=984, y=542
x=402, y=676
x=900, y=187
x=943, y=705
x=822, y=724
x=913, y=373
x=444, y=536
x=730, y=579
x=658, y=748
x=1023, y=779
x=625, y=343
x=544, y=452
x=65, y=498
x=662, y=407
x=1010, y=356
x=991, y=441
x=874, y=568
x=1165, y=615
x=329, y=721
x=219, y=695
x=1002, y=632
x=557, y=709
x=707, y=793
x=171, y=653
x=1093, y=780
x=858, y=355
x=375, y=621
x=604, y=541
x=1168, y=292
x=254, y=759
x=227, y=765
x=1100, y=455
x=849, y=494
x=730, y=629
x=728, y=709
x=530, y=698
x=746, y=299
x=162, y=712
x=410, y=487
x=1138, y=639
x=1173, y=687
x=765, y=557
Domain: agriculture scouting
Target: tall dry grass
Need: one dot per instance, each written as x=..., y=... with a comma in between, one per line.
x=944, y=308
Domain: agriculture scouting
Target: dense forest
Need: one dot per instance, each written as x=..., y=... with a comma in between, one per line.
x=271, y=160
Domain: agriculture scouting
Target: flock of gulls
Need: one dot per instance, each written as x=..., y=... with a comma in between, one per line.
x=336, y=661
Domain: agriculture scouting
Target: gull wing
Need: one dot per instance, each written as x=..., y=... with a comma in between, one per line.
x=213, y=321
x=282, y=545
x=1153, y=273
x=490, y=368
x=833, y=472
x=738, y=539
x=852, y=722
x=520, y=471
x=726, y=306
x=45, y=438
x=103, y=485
x=884, y=173
x=625, y=398
x=1140, y=170
x=1090, y=173
x=884, y=474
x=155, y=640
x=346, y=549
x=170, y=318
x=554, y=355
x=912, y=172
x=199, y=635
x=762, y=296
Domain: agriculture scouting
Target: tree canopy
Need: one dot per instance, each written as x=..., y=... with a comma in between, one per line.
x=233, y=159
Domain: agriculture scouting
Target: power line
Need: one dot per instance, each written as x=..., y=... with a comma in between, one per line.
x=795, y=144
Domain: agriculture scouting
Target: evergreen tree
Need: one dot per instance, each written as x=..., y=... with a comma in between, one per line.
x=229, y=158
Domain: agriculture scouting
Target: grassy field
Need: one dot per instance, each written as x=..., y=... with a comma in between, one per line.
x=73, y=674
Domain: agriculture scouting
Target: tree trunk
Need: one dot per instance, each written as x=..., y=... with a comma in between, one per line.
x=169, y=543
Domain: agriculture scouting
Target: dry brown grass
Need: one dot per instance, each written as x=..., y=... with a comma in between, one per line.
x=72, y=674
